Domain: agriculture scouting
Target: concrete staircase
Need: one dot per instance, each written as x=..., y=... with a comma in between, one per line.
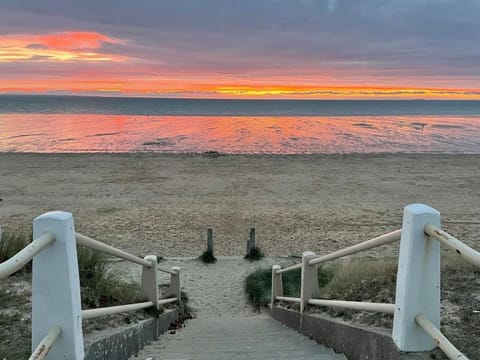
x=257, y=337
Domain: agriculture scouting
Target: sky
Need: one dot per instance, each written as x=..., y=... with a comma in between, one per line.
x=319, y=49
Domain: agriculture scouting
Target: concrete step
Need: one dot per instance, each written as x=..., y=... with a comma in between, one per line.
x=236, y=338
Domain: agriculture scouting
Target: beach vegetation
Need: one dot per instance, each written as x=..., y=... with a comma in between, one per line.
x=100, y=286
x=258, y=284
x=254, y=254
x=11, y=242
x=207, y=257
x=364, y=279
x=374, y=280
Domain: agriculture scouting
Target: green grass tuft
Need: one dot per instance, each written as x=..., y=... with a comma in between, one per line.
x=255, y=254
x=363, y=280
x=258, y=285
x=12, y=242
x=207, y=257
x=370, y=280
x=100, y=287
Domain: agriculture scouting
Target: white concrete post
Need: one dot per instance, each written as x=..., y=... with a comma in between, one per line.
x=56, y=287
x=309, y=286
x=418, y=279
x=175, y=286
x=150, y=280
x=277, y=284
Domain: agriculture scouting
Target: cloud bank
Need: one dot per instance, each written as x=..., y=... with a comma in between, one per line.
x=175, y=46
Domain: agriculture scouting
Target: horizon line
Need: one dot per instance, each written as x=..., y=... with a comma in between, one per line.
x=113, y=96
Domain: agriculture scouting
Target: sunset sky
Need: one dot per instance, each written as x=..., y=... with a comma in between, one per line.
x=242, y=49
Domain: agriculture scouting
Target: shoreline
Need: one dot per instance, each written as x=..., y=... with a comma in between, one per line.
x=164, y=203
x=220, y=154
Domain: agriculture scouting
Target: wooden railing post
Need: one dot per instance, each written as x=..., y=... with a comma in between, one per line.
x=56, y=287
x=277, y=284
x=150, y=280
x=175, y=285
x=418, y=279
x=309, y=286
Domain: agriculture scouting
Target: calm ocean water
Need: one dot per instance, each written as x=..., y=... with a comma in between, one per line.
x=95, y=124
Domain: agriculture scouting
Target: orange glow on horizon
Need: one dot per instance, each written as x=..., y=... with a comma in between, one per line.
x=199, y=90
x=349, y=91
x=81, y=55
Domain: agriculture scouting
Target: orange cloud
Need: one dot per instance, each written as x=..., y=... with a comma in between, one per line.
x=71, y=40
x=63, y=46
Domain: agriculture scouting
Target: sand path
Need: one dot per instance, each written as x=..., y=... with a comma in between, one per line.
x=215, y=290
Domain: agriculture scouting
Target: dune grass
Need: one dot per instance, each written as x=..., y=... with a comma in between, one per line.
x=11, y=242
x=461, y=288
x=370, y=280
x=99, y=287
x=374, y=280
x=258, y=285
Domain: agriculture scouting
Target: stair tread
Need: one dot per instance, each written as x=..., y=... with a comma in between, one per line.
x=236, y=338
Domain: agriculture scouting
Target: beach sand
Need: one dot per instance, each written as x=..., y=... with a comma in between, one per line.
x=213, y=290
x=163, y=204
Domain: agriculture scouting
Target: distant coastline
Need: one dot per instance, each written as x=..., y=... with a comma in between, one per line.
x=116, y=105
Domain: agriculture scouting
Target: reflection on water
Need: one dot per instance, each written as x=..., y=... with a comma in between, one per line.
x=244, y=134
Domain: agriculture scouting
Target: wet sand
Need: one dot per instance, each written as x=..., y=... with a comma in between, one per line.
x=163, y=204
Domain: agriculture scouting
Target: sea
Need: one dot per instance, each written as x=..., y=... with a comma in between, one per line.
x=80, y=124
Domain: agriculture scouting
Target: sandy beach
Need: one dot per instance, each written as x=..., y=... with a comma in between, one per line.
x=163, y=204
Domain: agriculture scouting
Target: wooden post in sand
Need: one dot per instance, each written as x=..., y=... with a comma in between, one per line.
x=251, y=241
x=210, y=240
